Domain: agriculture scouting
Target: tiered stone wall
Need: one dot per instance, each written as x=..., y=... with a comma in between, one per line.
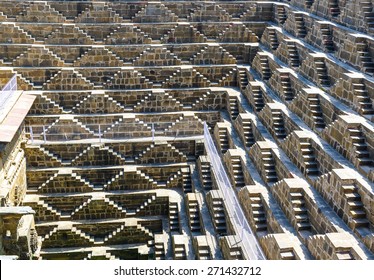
x=122, y=91
x=349, y=13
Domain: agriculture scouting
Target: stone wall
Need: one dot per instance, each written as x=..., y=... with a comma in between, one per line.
x=18, y=234
x=122, y=92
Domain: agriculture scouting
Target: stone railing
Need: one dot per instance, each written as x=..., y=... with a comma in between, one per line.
x=113, y=131
x=239, y=221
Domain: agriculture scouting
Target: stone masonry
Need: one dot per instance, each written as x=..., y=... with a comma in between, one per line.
x=102, y=151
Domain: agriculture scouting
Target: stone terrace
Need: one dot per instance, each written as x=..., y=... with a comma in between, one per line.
x=116, y=164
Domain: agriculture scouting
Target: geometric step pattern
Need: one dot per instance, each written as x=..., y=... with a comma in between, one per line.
x=97, y=67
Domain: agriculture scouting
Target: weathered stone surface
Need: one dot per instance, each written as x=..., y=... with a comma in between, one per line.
x=112, y=157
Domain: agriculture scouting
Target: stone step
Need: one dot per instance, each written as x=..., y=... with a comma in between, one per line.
x=303, y=226
x=300, y=210
x=289, y=255
x=357, y=214
x=363, y=222
x=298, y=203
x=355, y=204
x=344, y=256
x=349, y=189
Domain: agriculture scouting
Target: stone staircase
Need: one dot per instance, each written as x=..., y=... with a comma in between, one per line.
x=187, y=78
x=159, y=250
x=300, y=25
x=309, y=3
x=81, y=102
x=160, y=152
x=55, y=107
x=321, y=70
x=23, y=83
x=154, y=12
x=273, y=40
x=344, y=254
x=49, y=208
x=258, y=98
x=206, y=175
x=237, y=171
x=83, y=235
x=293, y=54
x=186, y=180
x=153, y=102
x=228, y=79
x=63, y=125
x=184, y=33
x=82, y=206
x=287, y=254
x=49, y=234
x=70, y=205
x=278, y=124
x=147, y=178
x=367, y=9
x=230, y=245
x=174, y=224
x=270, y=174
x=366, y=58
x=50, y=179
x=179, y=251
x=120, y=80
x=124, y=230
x=281, y=12
x=248, y=133
x=234, y=107
x=193, y=211
x=361, y=94
x=219, y=216
x=212, y=54
x=243, y=79
x=109, y=202
x=111, y=151
x=217, y=211
x=202, y=248
x=327, y=38
x=259, y=214
x=172, y=181
x=356, y=210
x=139, y=204
x=316, y=111
x=286, y=86
x=200, y=103
x=234, y=31
x=161, y=57
x=223, y=139
x=63, y=76
x=334, y=7
x=52, y=155
x=106, y=55
x=23, y=36
x=36, y=55
x=300, y=211
x=265, y=69
x=109, y=74
x=361, y=151
x=72, y=34
x=98, y=13
x=308, y=155
x=148, y=202
x=127, y=34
